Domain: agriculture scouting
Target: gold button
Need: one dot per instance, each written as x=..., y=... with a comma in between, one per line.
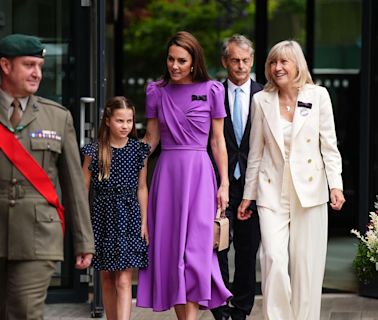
x=310, y=179
x=12, y=203
x=14, y=181
x=308, y=140
x=269, y=180
x=309, y=161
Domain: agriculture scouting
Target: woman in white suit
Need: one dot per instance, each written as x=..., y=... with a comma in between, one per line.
x=292, y=164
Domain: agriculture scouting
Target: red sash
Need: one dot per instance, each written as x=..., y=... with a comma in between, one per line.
x=30, y=168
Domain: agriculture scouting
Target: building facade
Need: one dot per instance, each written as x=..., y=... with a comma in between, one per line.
x=86, y=63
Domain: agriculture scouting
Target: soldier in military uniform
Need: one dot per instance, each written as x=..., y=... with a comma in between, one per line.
x=31, y=237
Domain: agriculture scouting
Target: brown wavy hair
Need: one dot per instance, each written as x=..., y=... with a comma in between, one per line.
x=188, y=42
x=104, y=148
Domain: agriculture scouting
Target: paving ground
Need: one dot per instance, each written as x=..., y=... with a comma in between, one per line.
x=334, y=307
x=339, y=277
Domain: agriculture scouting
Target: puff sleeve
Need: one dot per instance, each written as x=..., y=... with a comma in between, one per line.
x=152, y=100
x=217, y=108
x=143, y=152
x=90, y=150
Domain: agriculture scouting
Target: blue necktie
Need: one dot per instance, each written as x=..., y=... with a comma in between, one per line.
x=238, y=126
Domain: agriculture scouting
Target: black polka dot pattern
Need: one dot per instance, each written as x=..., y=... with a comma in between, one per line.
x=115, y=210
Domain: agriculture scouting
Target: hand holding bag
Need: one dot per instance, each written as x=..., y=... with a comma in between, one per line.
x=221, y=231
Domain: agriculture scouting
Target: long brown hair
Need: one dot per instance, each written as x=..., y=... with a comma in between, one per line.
x=188, y=42
x=104, y=149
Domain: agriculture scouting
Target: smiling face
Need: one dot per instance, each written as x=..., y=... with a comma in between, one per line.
x=283, y=71
x=238, y=63
x=21, y=75
x=179, y=63
x=120, y=124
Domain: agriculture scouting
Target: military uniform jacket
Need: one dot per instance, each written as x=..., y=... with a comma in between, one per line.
x=30, y=228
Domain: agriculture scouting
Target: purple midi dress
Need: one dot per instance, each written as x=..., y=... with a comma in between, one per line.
x=182, y=200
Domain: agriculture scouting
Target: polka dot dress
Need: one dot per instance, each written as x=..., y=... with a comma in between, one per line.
x=115, y=210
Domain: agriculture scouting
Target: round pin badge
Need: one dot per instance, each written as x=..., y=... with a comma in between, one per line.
x=304, y=112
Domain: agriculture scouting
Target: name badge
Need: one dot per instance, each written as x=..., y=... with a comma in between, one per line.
x=303, y=112
x=200, y=97
x=307, y=105
x=304, y=108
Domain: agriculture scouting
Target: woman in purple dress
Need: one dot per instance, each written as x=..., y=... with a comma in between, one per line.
x=183, y=109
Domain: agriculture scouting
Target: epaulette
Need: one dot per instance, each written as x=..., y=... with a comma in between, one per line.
x=49, y=102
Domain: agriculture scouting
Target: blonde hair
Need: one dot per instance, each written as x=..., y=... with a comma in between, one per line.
x=104, y=148
x=289, y=49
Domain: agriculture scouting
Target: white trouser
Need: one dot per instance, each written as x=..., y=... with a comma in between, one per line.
x=293, y=253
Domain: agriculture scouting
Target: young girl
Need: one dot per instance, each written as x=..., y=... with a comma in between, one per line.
x=115, y=168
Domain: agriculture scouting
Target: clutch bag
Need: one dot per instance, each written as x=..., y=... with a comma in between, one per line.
x=221, y=231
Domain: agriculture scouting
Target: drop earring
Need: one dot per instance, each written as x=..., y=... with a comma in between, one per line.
x=191, y=69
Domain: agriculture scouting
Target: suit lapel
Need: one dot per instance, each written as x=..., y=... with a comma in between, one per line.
x=229, y=128
x=247, y=129
x=3, y=112
x=270, y=108
x=30, y=113
x=301, y=114
x=4, y=117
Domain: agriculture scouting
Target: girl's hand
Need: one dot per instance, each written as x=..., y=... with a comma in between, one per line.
x=144, y=233
x=222, y=197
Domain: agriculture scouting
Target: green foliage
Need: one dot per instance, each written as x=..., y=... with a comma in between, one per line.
x=287, y=20
x=285, y=6
x=149, y=26
x=364, y=267
x=366, y=260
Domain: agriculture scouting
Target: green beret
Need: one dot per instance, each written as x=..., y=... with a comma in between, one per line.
x=16, y=45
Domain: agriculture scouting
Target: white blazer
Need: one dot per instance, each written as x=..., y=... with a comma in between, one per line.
x=314, y=159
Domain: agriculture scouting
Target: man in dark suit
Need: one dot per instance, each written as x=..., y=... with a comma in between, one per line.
x=31, y=221
x=237, y=59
